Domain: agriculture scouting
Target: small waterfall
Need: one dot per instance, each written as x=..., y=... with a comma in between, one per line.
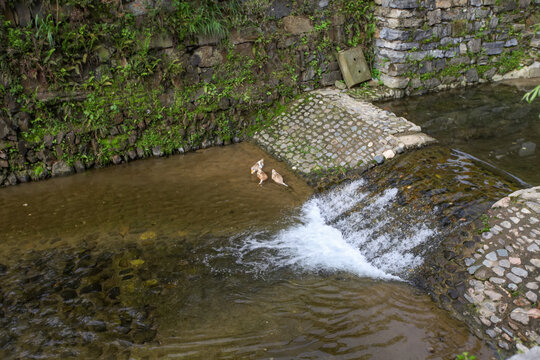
x=346, y=229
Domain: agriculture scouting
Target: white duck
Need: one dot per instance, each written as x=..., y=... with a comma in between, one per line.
x=258, y=166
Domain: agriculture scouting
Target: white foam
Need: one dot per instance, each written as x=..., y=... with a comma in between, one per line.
x=329, y=236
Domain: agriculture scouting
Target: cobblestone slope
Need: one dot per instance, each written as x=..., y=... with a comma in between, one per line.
x=328, y=130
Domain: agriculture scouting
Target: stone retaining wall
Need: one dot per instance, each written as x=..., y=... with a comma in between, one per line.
x=437, y=44
x=204, y=90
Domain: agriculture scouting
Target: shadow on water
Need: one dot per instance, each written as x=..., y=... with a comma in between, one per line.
x=187, y=257
x=488, y=121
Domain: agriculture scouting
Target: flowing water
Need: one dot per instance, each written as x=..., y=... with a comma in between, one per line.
x=489, y=121
x=187, y=257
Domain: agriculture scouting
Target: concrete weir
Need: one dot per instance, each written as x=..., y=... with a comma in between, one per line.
x=329, y=130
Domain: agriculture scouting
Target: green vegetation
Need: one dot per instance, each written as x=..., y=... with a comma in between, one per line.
x=510, y=61
x=531, y=95
x=465, y=356
x=485, y=221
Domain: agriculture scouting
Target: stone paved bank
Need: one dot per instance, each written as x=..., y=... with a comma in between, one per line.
x=488, y=274
x=327, y=130
x=504, y=289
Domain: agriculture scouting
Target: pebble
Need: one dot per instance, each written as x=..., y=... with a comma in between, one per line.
x=504, y=263
x=498, y=270
x=492, y=256
x=520, y=315
x=502, y=252
x=514, y=278
x=515, y=260
x=495, y=296
x=531, y=296
x=520, y=272
x=532, y=286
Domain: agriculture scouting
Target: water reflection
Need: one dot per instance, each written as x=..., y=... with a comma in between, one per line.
x=488, y=121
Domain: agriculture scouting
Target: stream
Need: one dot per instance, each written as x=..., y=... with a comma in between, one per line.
x=188, y=257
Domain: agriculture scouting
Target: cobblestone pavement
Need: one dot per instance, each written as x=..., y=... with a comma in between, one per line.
x=505, y=269
x=329, y=130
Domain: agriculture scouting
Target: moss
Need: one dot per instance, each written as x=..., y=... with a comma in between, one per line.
x=509, y=61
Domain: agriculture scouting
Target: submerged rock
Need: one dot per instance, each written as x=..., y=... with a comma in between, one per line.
x=60, y=168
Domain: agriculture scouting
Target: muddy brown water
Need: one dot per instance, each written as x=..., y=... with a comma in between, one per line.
x=125, y=262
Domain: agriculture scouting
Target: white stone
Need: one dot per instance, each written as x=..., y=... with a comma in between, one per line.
x=389, y=154
x=531, y=296
x=520, y=315
x=495, y=296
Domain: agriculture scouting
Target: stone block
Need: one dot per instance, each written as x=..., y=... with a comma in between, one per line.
x=459, y=27
x=439, y=64
x=401, y=4
x=494, y=48
x=476, y=2
x=393, y=34
x=454, y=14
x=245, y=35
x=438, y=54
x=204, y=40
x=405, y=23
x=331, y=78
x=493, y=22
x=297, y=24
x=353, y=65
x=434, y=17
x=279, y=9
x=511, y=42
x=420, y=34
x=442, y=30
x=60, y=168
x=394, y=82
x=161, y=41
x=396, y=13
x=398, y=69
x=206, y=56
x=396, y=45
x=425, y=67
x=471, y=75
x=393, y=55
x=431, y=83
x=443, y=4
x=474, y=45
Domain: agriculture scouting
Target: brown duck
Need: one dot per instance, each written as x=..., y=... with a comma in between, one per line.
x=278, y=178
x=262, y=176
